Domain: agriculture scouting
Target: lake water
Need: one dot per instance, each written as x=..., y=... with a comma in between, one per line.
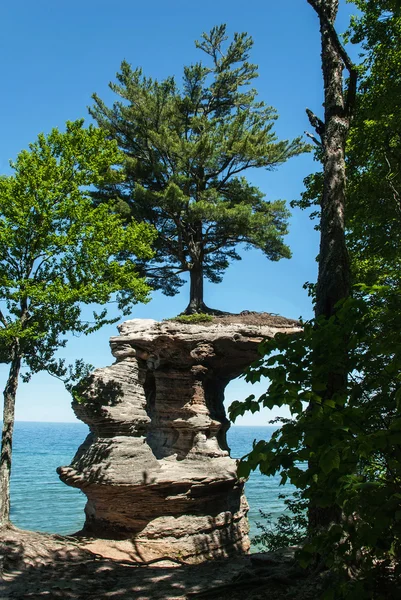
x=41, y=502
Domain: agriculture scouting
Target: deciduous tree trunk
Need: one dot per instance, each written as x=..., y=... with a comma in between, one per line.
x=333, y=282
x=7, y=437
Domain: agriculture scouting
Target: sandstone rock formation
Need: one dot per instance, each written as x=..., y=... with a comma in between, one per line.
x=156, y=467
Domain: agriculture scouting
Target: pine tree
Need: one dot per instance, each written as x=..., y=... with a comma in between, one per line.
x=186, y=151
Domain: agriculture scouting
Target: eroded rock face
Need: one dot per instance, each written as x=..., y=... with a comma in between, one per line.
x=156, y=467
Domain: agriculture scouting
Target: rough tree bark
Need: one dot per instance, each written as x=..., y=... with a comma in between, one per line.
x=196, y=303
x=195, y=244
x=333, y=282
x=10, y=392
x=334, y=271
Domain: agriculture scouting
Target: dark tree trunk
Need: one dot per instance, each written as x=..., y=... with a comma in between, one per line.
x=333, y=282
x=10, y=392
x=196, y=303
x=195, y=243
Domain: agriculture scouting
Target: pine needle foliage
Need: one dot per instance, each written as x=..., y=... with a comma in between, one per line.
x=186, y=152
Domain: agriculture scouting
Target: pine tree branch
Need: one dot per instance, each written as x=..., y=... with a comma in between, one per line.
x=177, y=271
x=216, y=173
x=237, y=239
x=247, y=165
x=174, y=251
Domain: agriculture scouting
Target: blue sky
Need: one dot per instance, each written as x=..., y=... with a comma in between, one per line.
x=54, y=55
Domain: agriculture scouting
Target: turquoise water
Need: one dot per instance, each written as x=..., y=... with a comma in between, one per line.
x=41, y=502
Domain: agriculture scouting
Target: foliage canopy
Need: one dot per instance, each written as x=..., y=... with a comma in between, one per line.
x=57, y=253
x=186, y=150
x=344, y=450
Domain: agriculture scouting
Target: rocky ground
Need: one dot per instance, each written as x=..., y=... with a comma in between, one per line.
x=150, y=364
x=251, y=317
x=38, y=566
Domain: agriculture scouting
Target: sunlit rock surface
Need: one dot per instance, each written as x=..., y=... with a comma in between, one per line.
x=156, y=467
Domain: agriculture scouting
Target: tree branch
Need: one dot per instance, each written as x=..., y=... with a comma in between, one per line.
x=316, y=123
x=177, y=271
x=318, y=7
x=234, y=172
x=313, y=138
x=351, y=92
x=396, y=194
x=3, y=319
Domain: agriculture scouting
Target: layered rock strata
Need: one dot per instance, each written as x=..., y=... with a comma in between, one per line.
x=156, y=467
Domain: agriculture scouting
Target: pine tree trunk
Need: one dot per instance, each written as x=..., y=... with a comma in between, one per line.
x=196, y=304
x=10, y=392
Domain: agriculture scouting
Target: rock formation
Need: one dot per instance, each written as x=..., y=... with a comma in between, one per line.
x=156, y=467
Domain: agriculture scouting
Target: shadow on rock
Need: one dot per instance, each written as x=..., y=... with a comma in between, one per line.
x=36, y=566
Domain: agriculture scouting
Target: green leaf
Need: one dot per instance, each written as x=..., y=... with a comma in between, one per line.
x=58, y=251
x=329, y=460
x=243, y=469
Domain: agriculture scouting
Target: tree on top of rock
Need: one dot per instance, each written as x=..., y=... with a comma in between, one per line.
x=186, y=151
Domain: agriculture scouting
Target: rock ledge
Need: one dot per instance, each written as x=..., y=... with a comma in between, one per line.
x=156, y=467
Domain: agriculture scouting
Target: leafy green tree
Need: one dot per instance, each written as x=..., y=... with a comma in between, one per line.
x=289, y=529
x=349, y=443
x=339, y=100
x=185, y=154
x=373, y=199
x=334, y=275
x=347, y=459
x=374, y=147
x=57, y=253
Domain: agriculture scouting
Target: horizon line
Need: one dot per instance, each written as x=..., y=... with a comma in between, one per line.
x=81, y=423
